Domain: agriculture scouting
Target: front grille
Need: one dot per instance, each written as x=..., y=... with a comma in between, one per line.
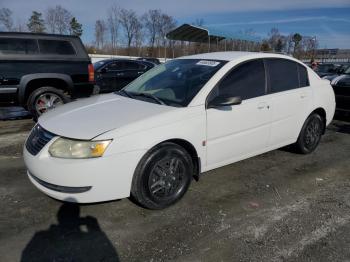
x=37, y=139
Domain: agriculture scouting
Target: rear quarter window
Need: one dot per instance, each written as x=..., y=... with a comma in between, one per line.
x=56, y=47
x=18, y=46
x=303, y=76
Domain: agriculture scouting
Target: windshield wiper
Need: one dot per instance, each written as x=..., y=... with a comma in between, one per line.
x=148, y=95
x=123, y=92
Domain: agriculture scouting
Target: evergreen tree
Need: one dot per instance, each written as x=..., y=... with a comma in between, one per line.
x=279, y=45
x=36, y=23
x=75, y=27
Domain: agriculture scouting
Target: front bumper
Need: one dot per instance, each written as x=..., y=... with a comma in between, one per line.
x=107, y=178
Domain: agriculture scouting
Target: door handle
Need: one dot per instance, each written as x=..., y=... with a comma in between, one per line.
x=120, y=74
x=262, y=106
x=140, y=73
x=303, y=95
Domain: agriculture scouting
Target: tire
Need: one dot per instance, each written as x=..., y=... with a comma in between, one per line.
x=44, y=95
x=162, y=177
x=310, y=134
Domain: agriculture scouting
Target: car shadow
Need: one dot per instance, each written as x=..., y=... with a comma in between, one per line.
x=74, y=238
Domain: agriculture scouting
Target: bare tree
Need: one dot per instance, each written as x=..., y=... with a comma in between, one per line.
x=167, y=23
x=6, y=18
x=130, y=23
x=58, y=20
x=152, y=22
x=100, y=33
x=20, y=26
x=139, y=36
x=113, y=26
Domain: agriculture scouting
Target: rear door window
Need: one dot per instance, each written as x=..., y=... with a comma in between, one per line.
x=283, y=75
x=128, y=65
x=56, y=47
x=18, y=46
x=114, y=66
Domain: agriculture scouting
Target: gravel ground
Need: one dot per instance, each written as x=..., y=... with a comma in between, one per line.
x=278, y=206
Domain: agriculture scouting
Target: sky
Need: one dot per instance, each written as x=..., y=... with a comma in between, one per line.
x=327, y=20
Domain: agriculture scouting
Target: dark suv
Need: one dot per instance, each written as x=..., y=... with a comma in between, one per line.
x=41, y=71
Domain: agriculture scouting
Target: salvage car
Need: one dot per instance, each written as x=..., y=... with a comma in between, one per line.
x=114, y=74
x=178, y=120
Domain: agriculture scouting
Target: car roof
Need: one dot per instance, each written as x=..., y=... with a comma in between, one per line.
x=34, y=35
x=235, y=55
x=109, y=60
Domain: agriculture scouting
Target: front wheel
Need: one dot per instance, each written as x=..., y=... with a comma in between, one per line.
x=310, y=134
x=162, y=177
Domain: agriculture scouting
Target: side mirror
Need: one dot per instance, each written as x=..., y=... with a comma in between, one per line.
x=103, y=70
x=221, y=101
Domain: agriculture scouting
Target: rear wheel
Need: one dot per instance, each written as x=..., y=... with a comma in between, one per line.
x=310, y=134
x=162, y=177
x=44, y=99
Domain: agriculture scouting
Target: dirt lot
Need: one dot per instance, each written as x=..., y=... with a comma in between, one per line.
x=279, y=206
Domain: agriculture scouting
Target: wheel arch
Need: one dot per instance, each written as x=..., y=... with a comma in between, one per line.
x=191, y=150
x=322, y=112
x=29, y=83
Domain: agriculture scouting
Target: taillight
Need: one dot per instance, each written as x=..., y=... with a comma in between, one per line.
x=91, y=73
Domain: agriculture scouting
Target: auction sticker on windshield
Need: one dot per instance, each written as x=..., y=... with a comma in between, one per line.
x=208, y=63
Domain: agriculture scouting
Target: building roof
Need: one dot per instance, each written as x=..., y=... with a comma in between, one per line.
x=203, y=34
x=234, y=55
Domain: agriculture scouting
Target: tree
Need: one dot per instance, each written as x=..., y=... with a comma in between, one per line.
x=296, y=40
x=265, y=46
x=274, y=36
x=279, y=45
x=100, y=33
x=152, y=22
x=36, y=23
x=130, y=23
x=113, y=26
x=75, y=27
x=6, y=18
x=167, y=23
x=58, y=20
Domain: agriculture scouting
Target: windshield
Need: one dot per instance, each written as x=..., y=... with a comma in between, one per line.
x=175, y=82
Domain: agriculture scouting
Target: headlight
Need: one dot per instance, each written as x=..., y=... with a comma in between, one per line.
x=69, y=148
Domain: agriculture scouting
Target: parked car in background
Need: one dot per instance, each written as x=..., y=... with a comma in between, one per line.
x=341, y=87
x=187, y=116
x=340, y=71
x=150, y=59
x=325, y=69
x=42, y=71
x=114, y=74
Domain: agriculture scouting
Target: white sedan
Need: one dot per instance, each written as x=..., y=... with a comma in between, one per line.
x=180, y=119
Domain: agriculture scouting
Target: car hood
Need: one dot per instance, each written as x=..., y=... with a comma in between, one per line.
x=90, y=117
